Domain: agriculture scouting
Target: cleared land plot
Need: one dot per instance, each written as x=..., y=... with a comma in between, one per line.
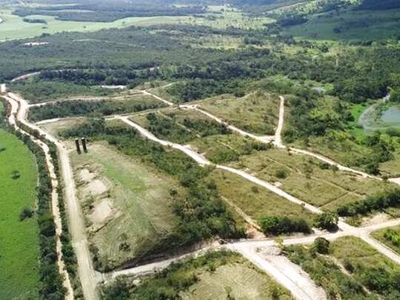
x=329, y=272
x=214, y=275
x=127, y=204
x=239, y=280
x=179, y=126
x=256, y=202
x=19, y=243
x=94, y=108
x=256, y=113
x=225, y=148
x=308, y=179
x=372, y=269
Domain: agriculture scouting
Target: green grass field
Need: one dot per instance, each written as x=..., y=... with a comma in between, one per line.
x=350, y=25
x=19, y=243
x=13, y=26
x=126, y=203
x=303, y=177
x=256, y=202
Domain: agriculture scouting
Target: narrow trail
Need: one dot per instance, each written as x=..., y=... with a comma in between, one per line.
x=54, y=198
x=86, y=271
x=278, y=132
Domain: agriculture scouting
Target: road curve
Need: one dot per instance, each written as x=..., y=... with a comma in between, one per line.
x=54, y=198
x=86, y=271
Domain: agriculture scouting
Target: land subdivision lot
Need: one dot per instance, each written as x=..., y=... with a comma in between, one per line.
x=351, y=270
x=127, y=204
x=390, y=237
x=309, y=180
x=255, y=201
x=214, y=275
x=256, y=113
x=19, y=242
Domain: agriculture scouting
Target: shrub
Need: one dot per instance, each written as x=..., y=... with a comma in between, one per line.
x=326, y=221
x=25, y=214
x=321, y=245
x=281, y=174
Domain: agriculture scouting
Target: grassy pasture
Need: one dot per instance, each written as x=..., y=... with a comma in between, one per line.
x=256, y=113
x=350, y=25
x=19, y=243
x=255, y=201
x=304, y=178
x=14, y=27
x=138, y=196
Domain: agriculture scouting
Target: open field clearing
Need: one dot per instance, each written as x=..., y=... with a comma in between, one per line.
x=14, y=27
x=179, y=126
x=308, y=179
x=255, y=201
x=19, y=250
x=350, y=25
x=350, y=268
x=226, y=148
x=214, y=275
x=127, y=204
x=74, y=108
x=54, y=128
x=255, y=113
x=239, y=280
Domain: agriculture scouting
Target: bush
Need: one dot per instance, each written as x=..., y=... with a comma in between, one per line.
x=25, y=214
x=326, y=221
x=321, y=245
x=281, y=174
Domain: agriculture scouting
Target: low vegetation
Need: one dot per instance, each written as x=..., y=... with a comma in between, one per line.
x=201, y=212
x=216, y=274
x=92, y=108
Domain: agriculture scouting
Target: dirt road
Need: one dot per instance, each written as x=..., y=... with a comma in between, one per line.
x=86, y=272
x=54, y=198
x=278, y=132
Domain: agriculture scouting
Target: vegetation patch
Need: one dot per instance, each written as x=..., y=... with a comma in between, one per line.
x=256, y=113
x=92, y=108
x=19, y=232
x=132, y=214
x=216, y=275
x=201, y=212
x=255, y=201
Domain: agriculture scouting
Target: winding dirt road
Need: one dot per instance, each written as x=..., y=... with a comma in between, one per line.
x=86, y=272
x=54, y=197
x=285, y=272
